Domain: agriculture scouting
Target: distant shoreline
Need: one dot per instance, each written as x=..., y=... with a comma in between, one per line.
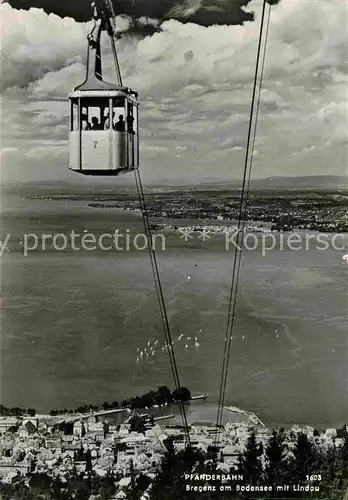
x=283, y=211
x=284, y=183
x=206, y=412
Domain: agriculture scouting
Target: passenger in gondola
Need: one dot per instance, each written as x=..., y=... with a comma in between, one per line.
x=95, y=124
x=130, y=122
x=85, y=123
x=120, y=125
x=107, y=122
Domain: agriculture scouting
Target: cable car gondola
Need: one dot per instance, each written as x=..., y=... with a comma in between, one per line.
x=99, y=145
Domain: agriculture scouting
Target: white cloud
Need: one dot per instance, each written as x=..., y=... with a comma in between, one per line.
x=58, y=83
x=34, y=43
x=8, y=150
x=48, y=151
x=195, y=85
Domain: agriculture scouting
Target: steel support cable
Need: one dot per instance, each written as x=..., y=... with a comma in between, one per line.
x=241, y=225
x=237, y=259
x=118, y=71
x=161, y=300
x=242, y=219
x=258, y=103
x=153, y=260
x=169, y=344
x=112, y=22
x=155, y=267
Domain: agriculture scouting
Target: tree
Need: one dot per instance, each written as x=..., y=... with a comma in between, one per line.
x=18, y=491
x=40, y=482
x=343, y=464
x=133, y=490
x=181, y=394
x=143, y=482
x=137, y=424
x=168, y=443
x=57, y=490
x=78, y=487
x=136, y=403
x=275, y=454
x=250, y=463
x=106, y=428
x=88, y=458
x=13, y=429
x=147, y=400
x=306, y=460
x=79, y=454
x=82, y=491
x=344, y=452
x=169, y=484
x=260, y=449
x=341, y=432
x=15, y=411
x=164, y=394
x=66, y=427
x=331, y=473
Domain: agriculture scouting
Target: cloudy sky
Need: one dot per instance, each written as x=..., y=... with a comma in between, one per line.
x=204, y=12
x=195, y=85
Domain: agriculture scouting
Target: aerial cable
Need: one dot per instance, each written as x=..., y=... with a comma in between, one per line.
x=112, y=25
x=241, y=219
x=241, y=224
x=160, y=297
x=117, y=66
x=104, y=19
x=258, y=103
x=110, y=16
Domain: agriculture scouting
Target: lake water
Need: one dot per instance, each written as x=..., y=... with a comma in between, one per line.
x=72, y=321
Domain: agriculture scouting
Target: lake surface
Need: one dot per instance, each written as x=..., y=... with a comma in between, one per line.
x=72, y=320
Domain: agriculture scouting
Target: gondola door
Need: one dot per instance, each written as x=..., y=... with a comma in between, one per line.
x=94, y=143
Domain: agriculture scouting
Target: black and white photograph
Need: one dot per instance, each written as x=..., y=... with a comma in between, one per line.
x=174, y=250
